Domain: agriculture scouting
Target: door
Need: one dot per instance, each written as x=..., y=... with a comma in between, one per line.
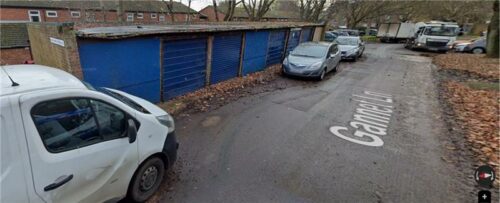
x=293, y=39
x=225, y=57
x=79, y=149
x=34, y=16
x=276, y=47
x=254, y=57
x=184, y=66
x=306, y=35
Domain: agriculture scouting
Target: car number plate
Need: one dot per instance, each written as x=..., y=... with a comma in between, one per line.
x=433, y=49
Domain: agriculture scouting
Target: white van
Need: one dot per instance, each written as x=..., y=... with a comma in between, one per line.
x=64, y=141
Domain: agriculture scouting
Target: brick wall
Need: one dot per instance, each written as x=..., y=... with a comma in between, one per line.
x=64, y=15
x=14, y=56
x=210, y=13
x=50, y=54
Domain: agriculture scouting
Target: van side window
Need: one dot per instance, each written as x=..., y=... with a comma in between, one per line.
x=66, y=124
x=112, y=121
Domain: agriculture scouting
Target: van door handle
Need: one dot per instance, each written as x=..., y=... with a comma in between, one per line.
x=58, y=183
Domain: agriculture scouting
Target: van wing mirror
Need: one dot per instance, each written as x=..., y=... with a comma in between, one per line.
x=131, y=131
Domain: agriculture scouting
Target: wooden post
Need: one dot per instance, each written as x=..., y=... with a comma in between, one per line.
x=242, y=54
x=210, y=42
x=287, y=36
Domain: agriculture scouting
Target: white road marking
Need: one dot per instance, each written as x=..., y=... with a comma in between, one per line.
x=369, y=121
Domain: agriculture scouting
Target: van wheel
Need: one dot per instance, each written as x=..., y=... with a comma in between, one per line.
x=147, y=180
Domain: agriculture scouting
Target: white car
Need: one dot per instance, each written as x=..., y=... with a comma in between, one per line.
x=62, y=141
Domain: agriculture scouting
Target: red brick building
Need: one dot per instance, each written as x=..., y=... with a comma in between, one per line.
x=241, y=15
x=145, y=11
x=209, y=13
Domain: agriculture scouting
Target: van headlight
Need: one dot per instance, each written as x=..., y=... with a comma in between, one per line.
x=168, y=121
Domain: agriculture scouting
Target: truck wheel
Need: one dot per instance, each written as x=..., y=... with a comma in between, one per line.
x=477, y=50
x=147, y=179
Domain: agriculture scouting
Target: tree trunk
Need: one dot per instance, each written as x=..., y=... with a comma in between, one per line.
x=214, y=2
x=492, y=38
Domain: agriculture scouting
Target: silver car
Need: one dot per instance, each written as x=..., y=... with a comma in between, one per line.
x=350, y=47
x=312, y=59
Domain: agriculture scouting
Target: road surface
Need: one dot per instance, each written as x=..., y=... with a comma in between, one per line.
x=279, y=146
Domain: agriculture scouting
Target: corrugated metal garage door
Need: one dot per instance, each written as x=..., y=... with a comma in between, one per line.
x=276, y=47
x=306, y=34
x=254, y=58
x=293, y=40
x=184, y=66
x=225, y=57
x=130, y=65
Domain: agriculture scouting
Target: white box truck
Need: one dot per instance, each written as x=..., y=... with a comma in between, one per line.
x=395, y=32
x=433, y=36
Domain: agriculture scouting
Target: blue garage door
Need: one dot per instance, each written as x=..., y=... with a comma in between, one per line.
x=254, y=58
x=276, y=47
x=306, y=35
x=225, y=57
x=293, y=40
x=184, y=66
x=130, y=65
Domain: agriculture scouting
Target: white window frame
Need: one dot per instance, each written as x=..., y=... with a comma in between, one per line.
x=75, y=12
x=154, y=15
x=161, y=18
x=51, y=16
x=130, y=17
x=140, y=15
x=38, y=15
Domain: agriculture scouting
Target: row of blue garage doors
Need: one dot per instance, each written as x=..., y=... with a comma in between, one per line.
x=132, y=65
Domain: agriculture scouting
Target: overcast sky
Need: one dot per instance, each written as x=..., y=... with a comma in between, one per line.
x=197, y=4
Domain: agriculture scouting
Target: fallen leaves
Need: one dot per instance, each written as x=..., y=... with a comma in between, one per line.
x=478, y=111
x=471, y=63
x=220, y=93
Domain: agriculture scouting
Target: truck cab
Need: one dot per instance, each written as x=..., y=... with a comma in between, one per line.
x=434, y=36
x=64, y=141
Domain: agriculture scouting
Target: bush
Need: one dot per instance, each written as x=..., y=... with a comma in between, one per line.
x=368, y=38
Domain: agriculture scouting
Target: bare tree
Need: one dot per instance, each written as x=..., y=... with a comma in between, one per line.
x=170, y=9
x=214, y=2
x=230, y=8
x=188, y=19
x=492, y=47
x=357, y=11
x=256, y=9
x=310, y=10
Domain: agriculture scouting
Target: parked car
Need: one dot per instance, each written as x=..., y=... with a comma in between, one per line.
x=476, y=46
x=68, y=142
x=350, y=47
x=350, y=32
x=330, y=36
x=312, y=59
x=341, y=32
x=373, y=32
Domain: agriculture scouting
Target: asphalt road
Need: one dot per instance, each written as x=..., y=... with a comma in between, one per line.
x=278, y=147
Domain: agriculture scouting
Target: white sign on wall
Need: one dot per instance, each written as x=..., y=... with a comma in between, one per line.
x=59, y=42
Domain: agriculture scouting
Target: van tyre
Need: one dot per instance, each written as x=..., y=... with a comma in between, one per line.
x=147, y=179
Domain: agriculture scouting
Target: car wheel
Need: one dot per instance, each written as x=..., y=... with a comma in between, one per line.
x=477, y=50
x=355, y=58
x=147, y=179
x=336, y=67
x=322, y=75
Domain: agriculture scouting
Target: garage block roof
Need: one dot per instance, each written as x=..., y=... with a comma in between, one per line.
x=132, y=31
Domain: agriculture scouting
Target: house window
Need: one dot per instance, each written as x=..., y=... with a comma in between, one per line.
x=140, y=15
x=51, y=14
x=75, y=14
x=130, y=17
x=34, y=16
x=153, y=15
x=162, y=17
